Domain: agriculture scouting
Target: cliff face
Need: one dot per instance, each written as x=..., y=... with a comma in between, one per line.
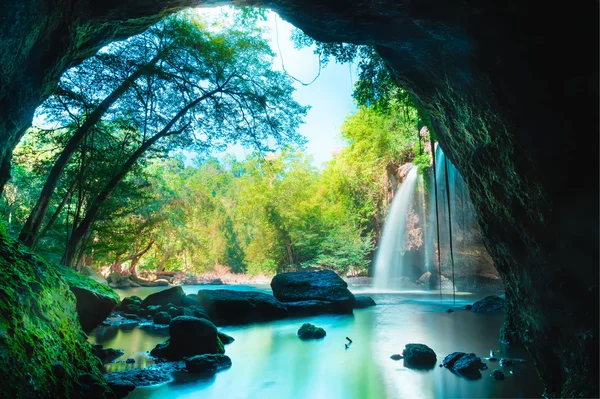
x=512, y=91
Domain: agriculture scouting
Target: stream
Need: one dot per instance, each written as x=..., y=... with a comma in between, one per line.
x=269, y=361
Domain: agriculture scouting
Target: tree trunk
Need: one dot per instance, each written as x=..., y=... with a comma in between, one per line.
x=135, y=259
x=32, y=225
x=56, y=213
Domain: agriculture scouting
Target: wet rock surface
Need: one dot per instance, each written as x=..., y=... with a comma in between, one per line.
x=189, y=336
x=324, y=285
x=209, y=363
x=489, y=304
x=467, y=365
x=225, y=339
x=497, y=375
x=162, y=318
x=309, y=331
x=419, y=356
x=173, y=295
x=362, y=302
x=227, y=307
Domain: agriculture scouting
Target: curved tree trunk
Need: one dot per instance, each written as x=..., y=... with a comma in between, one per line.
x=34, y=221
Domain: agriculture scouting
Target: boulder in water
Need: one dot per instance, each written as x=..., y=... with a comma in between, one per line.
x=419, y=356
x=227, y=307
x=362, y=302
x=489, y=304
x=173, y=295
x=310, y=331
x=209, y=363
x=466, y=364
x=324, y=285
x=189, y=336
x=497, y=375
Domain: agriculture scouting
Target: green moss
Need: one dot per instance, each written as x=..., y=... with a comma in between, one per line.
x=39, y=327
x=75, y=279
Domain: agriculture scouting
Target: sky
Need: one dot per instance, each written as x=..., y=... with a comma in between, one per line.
x=330, y=96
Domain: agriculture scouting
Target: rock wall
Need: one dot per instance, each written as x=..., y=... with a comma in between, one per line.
x=511, y=89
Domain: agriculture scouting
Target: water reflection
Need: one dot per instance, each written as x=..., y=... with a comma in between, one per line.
x=269, y=361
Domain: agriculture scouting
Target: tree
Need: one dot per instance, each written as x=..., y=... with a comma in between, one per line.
x=205, y=96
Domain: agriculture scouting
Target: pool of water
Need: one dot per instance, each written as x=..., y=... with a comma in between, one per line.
x=269, y=361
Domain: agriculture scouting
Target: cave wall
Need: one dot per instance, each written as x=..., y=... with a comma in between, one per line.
x=512, y=92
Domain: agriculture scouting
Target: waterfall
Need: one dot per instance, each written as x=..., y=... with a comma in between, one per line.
x=409, y=247
x=389, y=259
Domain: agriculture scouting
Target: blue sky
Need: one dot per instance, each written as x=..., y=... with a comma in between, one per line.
x=330, y=96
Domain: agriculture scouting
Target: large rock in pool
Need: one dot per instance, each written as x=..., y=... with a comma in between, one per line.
x=324, y=285
x=207, y=363
x=189, y=336
x=95, y=301
x=172, y=295
x=489, y=304
x=227, y=307
x=419, y=356
x=465, y=364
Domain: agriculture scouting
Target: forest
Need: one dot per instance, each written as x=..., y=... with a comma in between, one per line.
x=104, y=177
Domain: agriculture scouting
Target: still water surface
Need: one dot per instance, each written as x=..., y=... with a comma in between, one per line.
x=269, y=361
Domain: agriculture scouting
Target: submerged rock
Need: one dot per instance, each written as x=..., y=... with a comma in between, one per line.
x=310, y=331
x=466, y=364
x=419, y=356
x=489, y=304
x=324, y=285
x=189, y=336
x=209, y=363
x=227, y=307
x=173, y=295
x=123, y=382
x=497, y=375
x=362, y=302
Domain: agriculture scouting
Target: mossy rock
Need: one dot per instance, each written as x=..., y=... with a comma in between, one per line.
x=95, y=301
x=43, y=349
x=310, y=331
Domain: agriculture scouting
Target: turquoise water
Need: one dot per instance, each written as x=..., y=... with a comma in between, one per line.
x=269, y=361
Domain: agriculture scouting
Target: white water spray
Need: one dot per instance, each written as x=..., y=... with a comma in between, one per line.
x=389, y=260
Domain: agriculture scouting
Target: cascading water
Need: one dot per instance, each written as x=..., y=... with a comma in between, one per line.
x=408, y=246
x=390, y=259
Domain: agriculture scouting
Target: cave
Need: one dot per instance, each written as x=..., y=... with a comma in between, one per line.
x=511, y=90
